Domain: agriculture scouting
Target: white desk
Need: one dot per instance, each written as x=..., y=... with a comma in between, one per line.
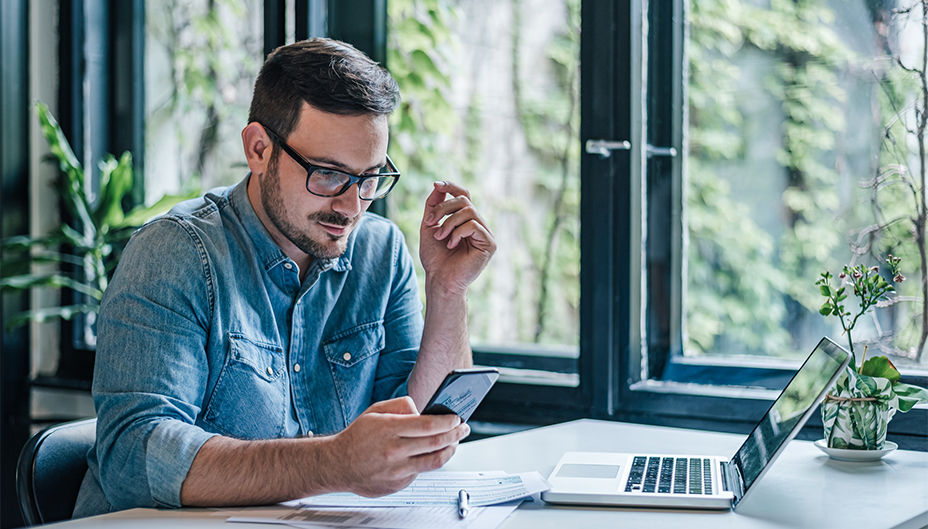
x=803, y=489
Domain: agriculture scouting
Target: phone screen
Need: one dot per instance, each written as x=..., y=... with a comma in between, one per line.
x=461, y=392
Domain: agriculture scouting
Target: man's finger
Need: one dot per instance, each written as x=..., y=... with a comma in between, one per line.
x=433, y=215
x=421, y=425
x=477, y=234
x=400, y=405
x=457, y=218
x=452, y=189
x=435, y=460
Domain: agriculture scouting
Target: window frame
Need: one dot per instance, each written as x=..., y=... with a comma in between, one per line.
x=644, y=394
x=626, y=337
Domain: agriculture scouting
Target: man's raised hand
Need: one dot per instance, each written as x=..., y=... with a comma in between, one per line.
x=455, y=251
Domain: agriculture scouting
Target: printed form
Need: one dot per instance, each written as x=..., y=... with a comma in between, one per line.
x=380, y=517
x=441, y=488
x=430, y=501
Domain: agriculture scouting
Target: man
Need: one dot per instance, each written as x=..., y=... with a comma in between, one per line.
x=266, y=342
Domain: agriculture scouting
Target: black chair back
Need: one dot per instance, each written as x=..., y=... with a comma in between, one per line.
x=50, y=471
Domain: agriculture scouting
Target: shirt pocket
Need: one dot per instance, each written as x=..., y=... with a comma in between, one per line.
x=250, y=397
x=352, y=357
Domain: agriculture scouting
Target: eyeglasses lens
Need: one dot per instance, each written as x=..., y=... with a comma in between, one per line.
x=330, y=183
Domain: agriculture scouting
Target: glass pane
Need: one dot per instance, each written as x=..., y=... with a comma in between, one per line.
x=803, y=156
x=491, y=100
x=201, y=61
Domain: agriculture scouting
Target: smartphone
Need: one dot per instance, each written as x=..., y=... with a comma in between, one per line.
x=461, y=392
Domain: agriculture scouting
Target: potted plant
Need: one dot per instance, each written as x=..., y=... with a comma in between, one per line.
x=856, y=413
x=86, y=247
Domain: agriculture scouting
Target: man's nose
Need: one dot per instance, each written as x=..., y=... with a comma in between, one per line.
x=349, y=202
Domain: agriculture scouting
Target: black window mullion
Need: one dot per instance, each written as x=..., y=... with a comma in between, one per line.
x=363, y=24
x=660, y=177
x=71, y=72
x=603, y=97
x=127, y=79
x=275, y=25
x=14, y=202
x=311, y=19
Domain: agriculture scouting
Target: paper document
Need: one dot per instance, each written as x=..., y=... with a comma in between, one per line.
x=441, y=489
x=379, y=517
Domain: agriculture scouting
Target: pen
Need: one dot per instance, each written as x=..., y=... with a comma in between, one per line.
x=463, y=508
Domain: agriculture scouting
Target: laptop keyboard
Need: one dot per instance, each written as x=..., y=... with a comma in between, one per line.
x=676, y=475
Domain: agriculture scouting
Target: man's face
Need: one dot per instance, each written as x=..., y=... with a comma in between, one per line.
x=320, y=226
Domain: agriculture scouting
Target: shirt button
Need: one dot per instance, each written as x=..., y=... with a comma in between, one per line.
x=288, y=266
x=346, y=356
x=296, y=368
x=270, y=371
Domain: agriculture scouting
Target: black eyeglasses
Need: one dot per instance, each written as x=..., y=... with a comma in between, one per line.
x=328, y=182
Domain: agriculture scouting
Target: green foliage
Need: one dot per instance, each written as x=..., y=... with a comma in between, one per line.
x=811, y=64
x=91, y=240
x=897, y=190
x=420, y=39
x=867, y=285
x=211, y=62
x=431, y=140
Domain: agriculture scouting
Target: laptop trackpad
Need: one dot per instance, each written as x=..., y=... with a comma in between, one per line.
x=573, y=470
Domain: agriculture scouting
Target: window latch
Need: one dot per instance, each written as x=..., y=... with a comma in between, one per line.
x=604, y=148
x=661, y=151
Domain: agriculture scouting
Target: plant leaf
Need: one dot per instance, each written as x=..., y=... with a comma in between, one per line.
x=880, y=366
x=25, y=282
x=141, y=214
x=115, y=183
x=47, y=313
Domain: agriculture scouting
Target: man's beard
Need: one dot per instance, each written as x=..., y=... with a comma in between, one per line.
x=272, y=199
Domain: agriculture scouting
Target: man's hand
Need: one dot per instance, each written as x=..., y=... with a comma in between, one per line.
x=455, y=251
x=384, y=449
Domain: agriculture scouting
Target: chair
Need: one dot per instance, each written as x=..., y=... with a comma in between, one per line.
x=50, y=471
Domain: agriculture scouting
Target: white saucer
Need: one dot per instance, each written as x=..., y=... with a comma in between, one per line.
x=843, y=454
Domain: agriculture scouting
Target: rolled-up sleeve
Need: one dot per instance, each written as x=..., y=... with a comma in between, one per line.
x=402, y=326
x=151, y=367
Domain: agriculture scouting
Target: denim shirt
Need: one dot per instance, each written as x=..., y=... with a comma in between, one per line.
x=206, y=329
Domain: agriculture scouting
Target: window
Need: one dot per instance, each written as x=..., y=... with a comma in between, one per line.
x=201, y=61
x=656, y=282
x=773, y=138
x=491, y=100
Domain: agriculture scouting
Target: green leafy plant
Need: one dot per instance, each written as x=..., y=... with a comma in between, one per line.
x=866, y=283
x=89, y=243
x=856, y=414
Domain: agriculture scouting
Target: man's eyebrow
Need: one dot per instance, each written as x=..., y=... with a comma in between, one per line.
x=335, y=164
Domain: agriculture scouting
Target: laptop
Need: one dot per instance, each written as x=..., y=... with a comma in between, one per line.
x=699, y=482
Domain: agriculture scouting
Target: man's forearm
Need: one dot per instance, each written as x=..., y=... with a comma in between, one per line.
x=380, y=452
x=445, y=342
x=230, y=471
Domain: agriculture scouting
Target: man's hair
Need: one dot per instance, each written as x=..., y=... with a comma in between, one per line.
x=329, y=75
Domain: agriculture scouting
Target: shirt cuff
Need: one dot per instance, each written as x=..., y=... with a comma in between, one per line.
x=171, y=449
x=401, y=391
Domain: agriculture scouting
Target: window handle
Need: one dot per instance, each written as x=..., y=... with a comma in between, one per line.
x=661, y=151
x=604, y=148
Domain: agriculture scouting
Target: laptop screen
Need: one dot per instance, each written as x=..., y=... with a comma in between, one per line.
x=790, y=411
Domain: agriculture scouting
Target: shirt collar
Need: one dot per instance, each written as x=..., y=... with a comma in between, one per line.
x=268, y=252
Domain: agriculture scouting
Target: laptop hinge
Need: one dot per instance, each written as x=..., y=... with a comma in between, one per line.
x=724, y=475
x=731, y=480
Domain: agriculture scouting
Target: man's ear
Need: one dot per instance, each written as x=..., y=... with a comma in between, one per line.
x=258, y=147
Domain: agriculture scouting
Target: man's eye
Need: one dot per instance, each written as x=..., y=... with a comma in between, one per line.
x=329, y=178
